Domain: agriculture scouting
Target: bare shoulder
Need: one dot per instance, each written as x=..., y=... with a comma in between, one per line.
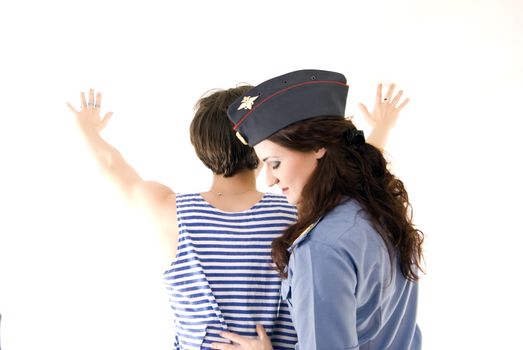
x=157, y=199
x=159, y=202
x=154, y=195
x=153, y=190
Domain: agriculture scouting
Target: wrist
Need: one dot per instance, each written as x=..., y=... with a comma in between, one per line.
x=86, y=128
x=384, y=125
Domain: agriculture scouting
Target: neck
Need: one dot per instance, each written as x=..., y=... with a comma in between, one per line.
x=240, y=183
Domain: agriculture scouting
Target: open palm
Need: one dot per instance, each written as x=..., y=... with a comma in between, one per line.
x=386, y=109
x=89, y=114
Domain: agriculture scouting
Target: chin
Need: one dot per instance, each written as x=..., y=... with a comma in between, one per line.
x=291, y=200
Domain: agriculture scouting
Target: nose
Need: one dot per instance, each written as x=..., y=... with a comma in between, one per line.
x=270, y=179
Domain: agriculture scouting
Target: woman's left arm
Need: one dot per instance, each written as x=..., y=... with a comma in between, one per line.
x=323, y=297
x=384, y=116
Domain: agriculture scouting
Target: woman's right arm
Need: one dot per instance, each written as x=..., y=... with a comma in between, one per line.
x=157, y=199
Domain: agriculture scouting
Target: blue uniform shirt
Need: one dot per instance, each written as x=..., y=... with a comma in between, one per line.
x=342, y=291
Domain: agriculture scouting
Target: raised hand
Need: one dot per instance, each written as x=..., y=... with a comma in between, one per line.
x=386, y=109
x=89, y=114
x=384, y=115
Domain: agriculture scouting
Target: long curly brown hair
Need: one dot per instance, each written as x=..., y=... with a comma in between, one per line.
x=355, y=170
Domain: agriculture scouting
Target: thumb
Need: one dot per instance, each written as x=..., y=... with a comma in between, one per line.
x=403, y=104
x=71, y=108
x=105, y=120
x=261, y=332
x=364, y=110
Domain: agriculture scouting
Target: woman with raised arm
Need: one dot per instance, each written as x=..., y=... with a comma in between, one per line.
x=351, y=261
x=219, y=241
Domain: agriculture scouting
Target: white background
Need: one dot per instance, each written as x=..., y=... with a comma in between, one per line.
x=81, y=270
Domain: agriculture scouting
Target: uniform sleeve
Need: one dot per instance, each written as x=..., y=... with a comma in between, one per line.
x=323, y=287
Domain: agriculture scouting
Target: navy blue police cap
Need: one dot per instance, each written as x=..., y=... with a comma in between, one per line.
x=287, y=99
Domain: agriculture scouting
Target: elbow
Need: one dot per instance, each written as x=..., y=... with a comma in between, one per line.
x=112, y=160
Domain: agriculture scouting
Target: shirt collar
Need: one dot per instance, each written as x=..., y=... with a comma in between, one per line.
x=304, y=235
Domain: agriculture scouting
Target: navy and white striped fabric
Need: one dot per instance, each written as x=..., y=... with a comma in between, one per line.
x=223, y=277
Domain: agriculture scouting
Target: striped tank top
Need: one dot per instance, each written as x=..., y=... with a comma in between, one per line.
x=223, y=277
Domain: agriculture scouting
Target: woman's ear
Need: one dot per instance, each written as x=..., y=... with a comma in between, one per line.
x=320, y=152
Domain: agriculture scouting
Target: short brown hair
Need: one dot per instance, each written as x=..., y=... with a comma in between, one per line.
x=212, y=136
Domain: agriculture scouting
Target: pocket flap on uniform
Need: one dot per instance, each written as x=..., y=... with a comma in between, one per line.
x=285, y=289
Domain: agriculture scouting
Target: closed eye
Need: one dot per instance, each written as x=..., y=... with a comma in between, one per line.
x=275, y=164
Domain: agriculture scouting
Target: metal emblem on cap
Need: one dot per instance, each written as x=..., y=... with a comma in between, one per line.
x=247, y=102
x=240, y=137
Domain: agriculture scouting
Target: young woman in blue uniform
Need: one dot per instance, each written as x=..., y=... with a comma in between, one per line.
x=352, y=259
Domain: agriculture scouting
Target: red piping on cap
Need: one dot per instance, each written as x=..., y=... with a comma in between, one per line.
x=237, y=125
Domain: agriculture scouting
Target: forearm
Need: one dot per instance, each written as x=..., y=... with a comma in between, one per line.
x=379, y=136
x=384, y=115
x=111, y=162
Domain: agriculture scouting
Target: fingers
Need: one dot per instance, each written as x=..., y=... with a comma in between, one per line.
x=396, y=98
x=90, y=103
x=90, y=110
x=72, y=108
x=223, y=346
x=84, y=102
x=98, y=102
x=378, y=94
x=234, y=337
x=403, y=104
x=388, y=95
x=242, y=342
x=261, y=332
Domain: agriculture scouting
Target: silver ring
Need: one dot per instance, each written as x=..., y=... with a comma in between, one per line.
x=96, y=106
x=90, y=104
